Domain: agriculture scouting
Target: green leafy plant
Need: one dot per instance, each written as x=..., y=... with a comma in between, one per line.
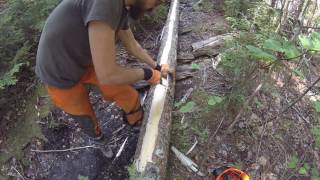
x=9, y=78
x=310, y=42
x=237, y=164
x=260, y=54
x=20, y=24
x=316, y=106
x=314, y=174
x=188, y=107
x=80, y=177
x=293, y=162
x=214, y=100
x=316, y=133
x=304, y=170
x=133, y=173
x=195, y=66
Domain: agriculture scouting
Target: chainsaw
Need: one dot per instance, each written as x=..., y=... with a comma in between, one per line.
x=229, y=173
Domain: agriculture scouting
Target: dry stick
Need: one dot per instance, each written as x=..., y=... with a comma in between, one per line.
x=18, y=173
x=209, y=140
x=297, y=100
x=243, y=107
x=193, y=146
x=63, y=150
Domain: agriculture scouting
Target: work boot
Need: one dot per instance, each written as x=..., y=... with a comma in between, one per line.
x=101, y=143
x=87, y=125
x=135, y=117
x=99, y=140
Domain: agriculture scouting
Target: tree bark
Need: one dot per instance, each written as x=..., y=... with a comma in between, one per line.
x=273, y=3
x=153, y=146
x=210, y=46
x=284, y=14
x=314, y=15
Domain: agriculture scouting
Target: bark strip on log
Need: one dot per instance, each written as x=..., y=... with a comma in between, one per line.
x=211, y=46
x=153, y=145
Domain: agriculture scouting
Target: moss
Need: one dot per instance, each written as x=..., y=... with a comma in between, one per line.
x=133, y=173
x=26, y=128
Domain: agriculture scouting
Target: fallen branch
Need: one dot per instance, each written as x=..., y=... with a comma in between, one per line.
x=244, y=107
x=118, y=130
x=186, y=96
x=18, y=173
x=210, y=138
x=63, y=150
x=211, y=46
x=297, y=100
x=310, y=27
x=192, y=147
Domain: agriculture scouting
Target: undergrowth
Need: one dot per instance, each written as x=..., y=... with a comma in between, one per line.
x=20, y=25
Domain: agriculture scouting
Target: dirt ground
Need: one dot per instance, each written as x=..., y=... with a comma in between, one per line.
x=58, y=131
x=261, y=147
x=256, y=144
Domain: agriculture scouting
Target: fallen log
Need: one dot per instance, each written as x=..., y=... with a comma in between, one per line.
x=153, y=144
x=185, y=57
x=211, y=46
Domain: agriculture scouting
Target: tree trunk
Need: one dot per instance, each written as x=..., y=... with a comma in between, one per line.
x=314, y=15
x=283, y=16
x=153, y=145
x=298, y=5
x=273, y=3
x=211, y=46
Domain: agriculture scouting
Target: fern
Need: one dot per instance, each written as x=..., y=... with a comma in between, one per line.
x=9, y=78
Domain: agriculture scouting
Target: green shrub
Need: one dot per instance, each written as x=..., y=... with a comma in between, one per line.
x=158, y=16
x=235, y=8
x=20, y=26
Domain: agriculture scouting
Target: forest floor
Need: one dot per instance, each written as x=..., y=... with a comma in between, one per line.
x=30, y=122
x=268, y=148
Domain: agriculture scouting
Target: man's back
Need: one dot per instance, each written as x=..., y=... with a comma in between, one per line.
x=64, y=50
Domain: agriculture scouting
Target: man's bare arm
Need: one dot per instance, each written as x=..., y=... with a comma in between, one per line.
x=102, y=45
x=134, y=48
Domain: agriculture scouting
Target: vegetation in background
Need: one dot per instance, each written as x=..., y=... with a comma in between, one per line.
x=158, y=16
x=133, y=173
x=270, y=40
x=20, y=25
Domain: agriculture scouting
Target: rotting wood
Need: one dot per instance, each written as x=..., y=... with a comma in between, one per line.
x=186, y=96
x=183, y=72
x=153, y=145
x=185, y=30
x=211, y=46
x=184, y=57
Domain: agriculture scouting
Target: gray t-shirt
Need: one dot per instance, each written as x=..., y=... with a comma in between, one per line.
x=64, y=51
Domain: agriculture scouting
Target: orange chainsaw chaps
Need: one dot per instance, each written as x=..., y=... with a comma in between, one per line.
x=75, y=100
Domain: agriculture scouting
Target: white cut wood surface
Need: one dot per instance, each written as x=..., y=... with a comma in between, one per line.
x=153, y=145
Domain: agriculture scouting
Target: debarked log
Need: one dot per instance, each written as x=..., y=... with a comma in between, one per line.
x=211, y=46
x=153, y=145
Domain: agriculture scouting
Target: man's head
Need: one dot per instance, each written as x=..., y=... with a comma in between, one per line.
x=139, y=7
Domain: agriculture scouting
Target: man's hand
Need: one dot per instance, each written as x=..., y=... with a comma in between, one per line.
x=164, y=69
x=154, y=75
